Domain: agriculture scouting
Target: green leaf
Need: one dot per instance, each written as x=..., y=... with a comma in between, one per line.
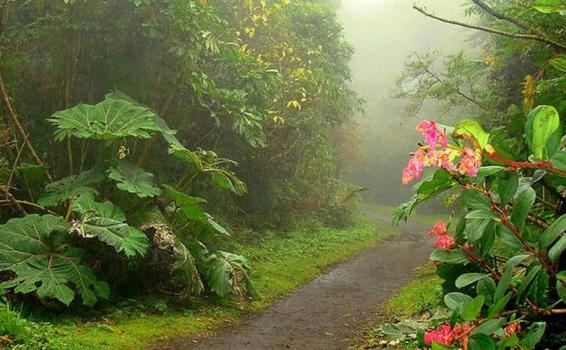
x=507, y=184
x=550, y=6
x=561, y=290
x=481, y=342
x=480, y=214
x=486, y=287
x=455, y=301
x=475, y=228
x=558, y=160
x=469, y=278
x=70, y=187
x=523, y=204
x=472, y=129
x=475, y=200
x=507, y=275
x=526, y=282
x=543, y=131
x=552, y=233
x=490, y=170
x=190, y=206
x=131, y=178
x=449, y=256
x=533, y=335
x=490, y=326
x=499, y=305
x=472, y=309
x=227, y=273
x=86, y=205
x=34, y=249
x=559, y=63
x=557, y=249
x=110, y=119
x=437, y=346
x=116, y=234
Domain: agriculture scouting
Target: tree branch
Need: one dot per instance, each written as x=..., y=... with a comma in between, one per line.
x=531, y=37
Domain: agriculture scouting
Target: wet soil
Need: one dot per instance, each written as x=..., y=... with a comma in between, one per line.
x=327, y=312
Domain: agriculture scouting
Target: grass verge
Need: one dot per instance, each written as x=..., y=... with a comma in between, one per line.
x=281, y=264
x=422, y=295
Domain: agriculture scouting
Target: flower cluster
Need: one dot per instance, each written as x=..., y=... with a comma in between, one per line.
x=443, y=240
x=447, y=335
x=436, y=152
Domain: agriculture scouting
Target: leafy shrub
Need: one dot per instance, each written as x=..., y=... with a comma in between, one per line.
x=54, y=255
x=511, y=205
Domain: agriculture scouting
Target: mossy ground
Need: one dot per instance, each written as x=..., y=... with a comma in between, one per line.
x=281, y=263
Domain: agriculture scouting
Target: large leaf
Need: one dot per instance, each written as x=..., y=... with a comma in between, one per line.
x=110, y=119
x=131, y=178
x=227, y=273
x=533, y=335
x=116, y=234
x=543, y=131
x=70, y=187
x=86, y=205
x=34, y=249
x=455, y=301
x=449, y=256
x=191, y=208
x=472, y=309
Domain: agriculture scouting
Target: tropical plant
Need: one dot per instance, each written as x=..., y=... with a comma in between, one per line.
x=504, y=260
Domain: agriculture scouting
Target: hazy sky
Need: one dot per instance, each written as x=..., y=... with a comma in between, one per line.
x=383, y=33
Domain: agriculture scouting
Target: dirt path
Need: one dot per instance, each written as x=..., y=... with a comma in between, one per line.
x=325, y=313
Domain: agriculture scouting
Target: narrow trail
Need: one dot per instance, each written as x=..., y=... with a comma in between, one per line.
x=327, y=312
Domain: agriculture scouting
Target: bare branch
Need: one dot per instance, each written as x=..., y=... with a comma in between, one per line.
x=531, y=37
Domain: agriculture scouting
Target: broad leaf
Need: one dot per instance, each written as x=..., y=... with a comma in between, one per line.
x=70, y=187
x=507, y=275
x=543, y=131
x=552, y=233
x=34, y=249
x=469, y=278
x=490, y=326
x=472, y=129
x=557, y=249
x=481, y=342
x=116, y=234
x=507, y=184
x=131, y=178
x=110, y=119
x=524, y=202
x=550, y=6
x=449, y=256
x=533, y=335
x=472, y=309
x=86, y=205
x=455, y=300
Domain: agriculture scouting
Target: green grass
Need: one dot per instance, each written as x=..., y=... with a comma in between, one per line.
x=281, y=264
x=423, y=293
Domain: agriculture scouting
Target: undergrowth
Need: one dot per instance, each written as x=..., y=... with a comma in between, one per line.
x=281, y=263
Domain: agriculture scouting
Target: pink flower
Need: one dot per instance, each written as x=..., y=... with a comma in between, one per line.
x=445, y=242
x=433, y=137
x=416, y=166
x=470, y=162
x=439, y=229
x=443, y=335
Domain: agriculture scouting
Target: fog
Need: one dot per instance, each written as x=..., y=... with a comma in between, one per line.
x=383, y=33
